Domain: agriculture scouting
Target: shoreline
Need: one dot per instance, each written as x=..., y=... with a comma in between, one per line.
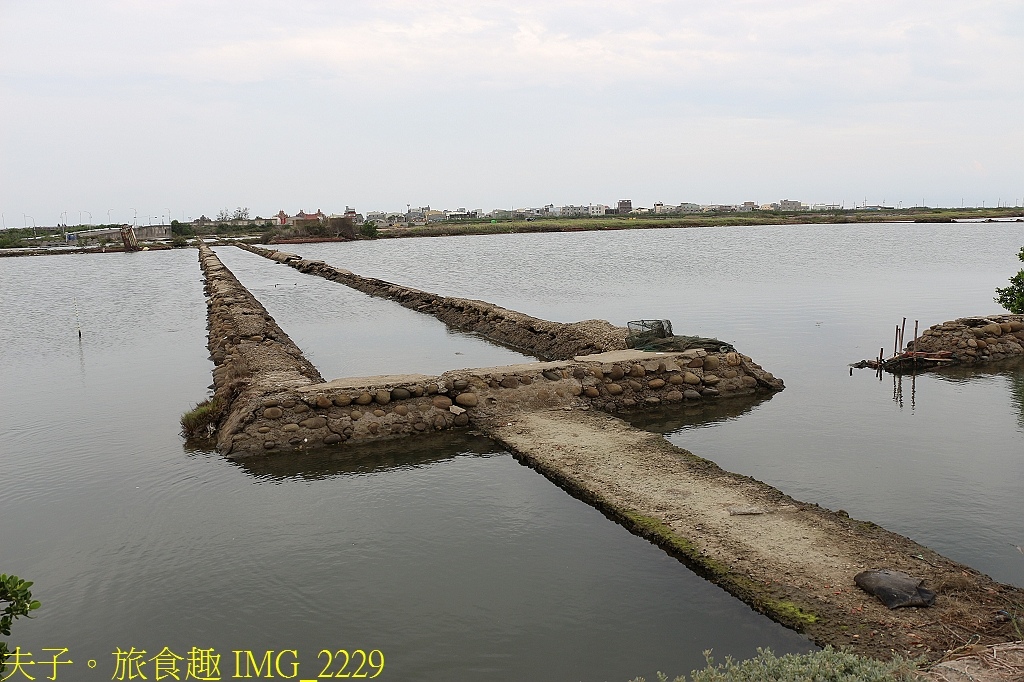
x=598, y=224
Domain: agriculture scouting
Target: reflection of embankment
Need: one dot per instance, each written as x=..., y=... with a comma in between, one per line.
x=1010, y=368
x=367, y=458
x=670, y=420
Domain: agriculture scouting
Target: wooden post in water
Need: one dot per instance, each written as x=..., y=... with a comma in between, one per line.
x=915, y=345
x=896, y=342
x=903, y=330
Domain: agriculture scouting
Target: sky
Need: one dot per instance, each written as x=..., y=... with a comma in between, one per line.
x=116, y=109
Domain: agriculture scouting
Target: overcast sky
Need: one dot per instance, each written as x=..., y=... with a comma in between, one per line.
x=192, y=106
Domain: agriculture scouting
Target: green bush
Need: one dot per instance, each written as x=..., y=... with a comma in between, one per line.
x=15, y=594
x=1012, y=297
x=827, y=665
x=368, y=230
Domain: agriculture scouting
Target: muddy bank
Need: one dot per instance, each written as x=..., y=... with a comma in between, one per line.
x=792, y=561
x=531, y=335
x=251, y=354
x=366, y=409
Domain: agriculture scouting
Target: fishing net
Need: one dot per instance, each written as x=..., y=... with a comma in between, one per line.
x=656, y=335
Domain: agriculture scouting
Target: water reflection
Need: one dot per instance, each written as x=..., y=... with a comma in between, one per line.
x=694, y=415
x=1010, y=371
x=365, y=459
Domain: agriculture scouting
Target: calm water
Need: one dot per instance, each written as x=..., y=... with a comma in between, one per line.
x=447, y=555
x=945, y=468
x=344, y=332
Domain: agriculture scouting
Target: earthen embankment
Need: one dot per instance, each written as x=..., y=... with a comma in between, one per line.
x=540, y=338
x=364, y=409
x=791, y=560
x=252, y=355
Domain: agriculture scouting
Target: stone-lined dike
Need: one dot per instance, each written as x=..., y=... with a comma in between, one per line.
x=974, y=340
x=793, y=561
x=540, y=338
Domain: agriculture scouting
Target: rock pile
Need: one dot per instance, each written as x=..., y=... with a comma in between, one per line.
x=972, y=340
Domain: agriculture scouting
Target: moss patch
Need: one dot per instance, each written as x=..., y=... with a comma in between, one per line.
x=793, y=613
x=760, y=597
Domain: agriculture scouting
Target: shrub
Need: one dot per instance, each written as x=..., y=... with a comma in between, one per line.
x=15, y=593
x=827, y=665
x=1012, y=297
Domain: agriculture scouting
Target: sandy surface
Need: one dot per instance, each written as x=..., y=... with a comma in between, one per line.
x=793, y=561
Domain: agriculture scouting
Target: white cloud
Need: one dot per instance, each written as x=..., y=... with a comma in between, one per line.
x=813, y=81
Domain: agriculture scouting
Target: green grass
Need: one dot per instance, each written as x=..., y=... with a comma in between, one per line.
x=752, y=218
x=201, y=420
x=827, y=665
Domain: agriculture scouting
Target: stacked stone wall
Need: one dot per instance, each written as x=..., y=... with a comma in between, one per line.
x=251, y=354
x=542, y=339
x=973, y=340
x=375, y=408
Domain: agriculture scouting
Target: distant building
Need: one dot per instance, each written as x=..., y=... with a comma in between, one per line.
x=790, y=205
x=300, y=218
x=598, y=209
x=571, y=211
x=687, y=207
x=461, y=214
x=625, y=206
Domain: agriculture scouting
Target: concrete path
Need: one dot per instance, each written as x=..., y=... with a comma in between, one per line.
x=792, y=561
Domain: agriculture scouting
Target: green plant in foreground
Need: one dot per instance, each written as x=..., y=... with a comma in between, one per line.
x=201, y=420
x=827, y=665
x=15, y=594
x=1012, y=297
